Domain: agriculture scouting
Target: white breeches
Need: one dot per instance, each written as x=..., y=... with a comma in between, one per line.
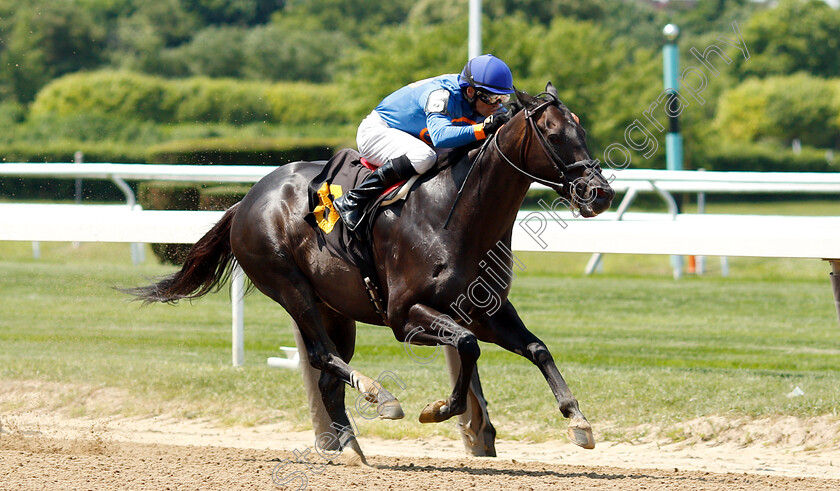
x=379, y=143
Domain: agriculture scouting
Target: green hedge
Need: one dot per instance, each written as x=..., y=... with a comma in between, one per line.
x=258, y=151
x=265, y=151
x=765, y=158
x=131, y=95
x=168, y=195
x=63, y=151
x=221, y=197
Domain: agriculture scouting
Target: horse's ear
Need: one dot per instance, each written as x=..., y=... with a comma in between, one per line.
x=516, y=104
x=549, y=89
x=523, y=98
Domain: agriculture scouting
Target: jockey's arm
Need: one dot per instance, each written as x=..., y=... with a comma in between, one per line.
x=444, y=134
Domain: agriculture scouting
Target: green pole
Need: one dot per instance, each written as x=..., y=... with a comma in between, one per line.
x=671, y=69
x=673, y=140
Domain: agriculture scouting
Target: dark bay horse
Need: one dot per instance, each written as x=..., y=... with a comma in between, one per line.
x=424, y=264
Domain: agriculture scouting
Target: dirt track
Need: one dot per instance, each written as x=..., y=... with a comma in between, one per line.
x=39, y=452
x=68, y=464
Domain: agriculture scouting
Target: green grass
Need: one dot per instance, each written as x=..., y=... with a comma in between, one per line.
x=810, y=207
x=636, y=347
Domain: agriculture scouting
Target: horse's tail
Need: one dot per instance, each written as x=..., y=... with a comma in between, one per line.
x=206, y=268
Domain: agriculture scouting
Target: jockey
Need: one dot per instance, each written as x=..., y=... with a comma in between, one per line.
x=407, y=130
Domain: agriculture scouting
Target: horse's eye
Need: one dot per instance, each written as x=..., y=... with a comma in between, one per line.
x=555, y=139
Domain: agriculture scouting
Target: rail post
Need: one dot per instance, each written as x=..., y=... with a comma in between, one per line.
x=78, y=158
x=237, y=302
x=835, y=283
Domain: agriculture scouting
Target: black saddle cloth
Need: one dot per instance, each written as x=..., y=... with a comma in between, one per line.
x=343, y=172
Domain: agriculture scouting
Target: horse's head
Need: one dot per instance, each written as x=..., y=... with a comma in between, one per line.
x=559, y=157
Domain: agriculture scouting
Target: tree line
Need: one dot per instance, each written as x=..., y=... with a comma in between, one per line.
x=604, y=57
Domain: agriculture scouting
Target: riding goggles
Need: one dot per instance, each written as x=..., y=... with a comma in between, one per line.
x=492, y=99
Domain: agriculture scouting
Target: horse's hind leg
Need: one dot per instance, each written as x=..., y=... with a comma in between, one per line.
x=506, y=329
x=342, y=331
x=283, y=282
x=338, y=443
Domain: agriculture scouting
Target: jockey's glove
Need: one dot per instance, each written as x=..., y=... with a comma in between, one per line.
x=494, y=122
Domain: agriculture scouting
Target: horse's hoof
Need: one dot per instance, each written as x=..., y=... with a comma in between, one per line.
x=391, y=410
x=434, y=412
x=352, y=457
x=580, y=433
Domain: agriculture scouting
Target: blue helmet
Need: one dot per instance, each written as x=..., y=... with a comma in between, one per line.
x=488, y=73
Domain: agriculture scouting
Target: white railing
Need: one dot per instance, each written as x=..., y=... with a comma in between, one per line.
x=664, y=182
x=636, y=180
x=816, y=237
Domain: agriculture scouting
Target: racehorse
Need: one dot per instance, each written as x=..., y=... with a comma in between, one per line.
x=427, y=251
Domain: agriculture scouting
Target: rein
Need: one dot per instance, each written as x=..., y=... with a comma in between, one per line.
x=464, y=184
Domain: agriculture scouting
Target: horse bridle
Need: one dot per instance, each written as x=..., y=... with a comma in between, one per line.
x=562, y=167
x=555, y=159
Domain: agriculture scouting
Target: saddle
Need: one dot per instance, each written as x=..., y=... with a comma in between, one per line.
x=345, y=171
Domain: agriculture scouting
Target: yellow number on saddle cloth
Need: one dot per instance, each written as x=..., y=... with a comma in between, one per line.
x=327, y=219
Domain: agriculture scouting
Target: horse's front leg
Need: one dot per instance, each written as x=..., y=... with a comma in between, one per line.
x=506, y=329
x=426, y=326
x=477, y=432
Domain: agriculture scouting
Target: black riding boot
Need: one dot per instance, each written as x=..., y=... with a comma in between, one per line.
x=352, y=205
